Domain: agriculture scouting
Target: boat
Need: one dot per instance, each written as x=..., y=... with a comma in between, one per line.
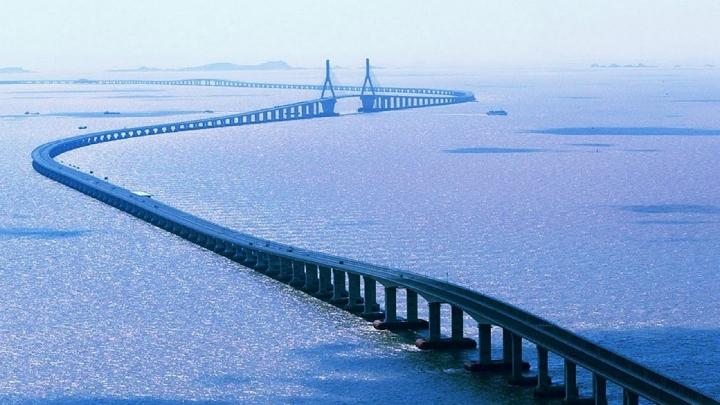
x=497, y=112
x=111, y=113
x=82, y=127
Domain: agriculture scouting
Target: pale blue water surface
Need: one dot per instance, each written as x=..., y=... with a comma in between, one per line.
x=595, y=203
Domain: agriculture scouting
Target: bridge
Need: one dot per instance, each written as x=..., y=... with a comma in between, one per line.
x=352, y=284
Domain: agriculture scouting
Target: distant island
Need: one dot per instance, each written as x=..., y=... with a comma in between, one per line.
x=13, y=69
x=615, y=65
x=214, y=67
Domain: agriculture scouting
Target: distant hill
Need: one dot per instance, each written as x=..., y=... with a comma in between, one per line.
x=215, y=67
x=615, y=65
x=13, y=69
x=138, y=69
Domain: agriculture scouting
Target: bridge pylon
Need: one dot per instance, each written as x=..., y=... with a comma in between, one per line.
x=328, y=103
x=368, y=100
x=327, y=85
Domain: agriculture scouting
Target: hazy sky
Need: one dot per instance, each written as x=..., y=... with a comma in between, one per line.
x=95, y=34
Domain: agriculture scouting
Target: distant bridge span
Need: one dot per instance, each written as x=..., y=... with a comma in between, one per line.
x=338, y=279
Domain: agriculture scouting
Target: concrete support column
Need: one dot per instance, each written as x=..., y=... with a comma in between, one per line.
x=371, y=305
x=629, y=397
x=412, y=305
x=298, y=274
x=286, y=269
x=273, y=263
x=517, y=361
x=457, y=325
x=354, y=298
x=339, y=291
x=390, y=304
x=312, y=280
x=250, y=258
x=571, y=389
x=599, y=390
x=485, y=343
x=543, y=377
x=507, y=346
x=238, y=254
x=261, y=264
x=434, y=320
x=325, y=283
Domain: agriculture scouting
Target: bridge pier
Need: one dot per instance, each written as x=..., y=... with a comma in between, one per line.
x=261, y=264
x=325, y=287
x=395, y=323
x=371, y=310
x=390, y=304
x=250, y=258
x=286, y=270
x=599, y=389
x=273, y=266
x=238, y=255
x=411, y=299
x=544, y=387
x=298, y=274
x=355, y=301
x=435, y=339
x=312, y=281
x=340, y=294
x=629, y=397
x=571, y=389
x=516, y=376
x=328, y=107
x=229, y=251
x=485, y=362
x=368, y=103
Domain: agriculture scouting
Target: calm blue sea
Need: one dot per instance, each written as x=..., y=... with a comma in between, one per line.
x=595, y=203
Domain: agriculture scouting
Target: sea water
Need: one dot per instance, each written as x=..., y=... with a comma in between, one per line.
x=594, y=203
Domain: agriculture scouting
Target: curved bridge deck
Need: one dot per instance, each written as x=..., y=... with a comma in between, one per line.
x=339, y=279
